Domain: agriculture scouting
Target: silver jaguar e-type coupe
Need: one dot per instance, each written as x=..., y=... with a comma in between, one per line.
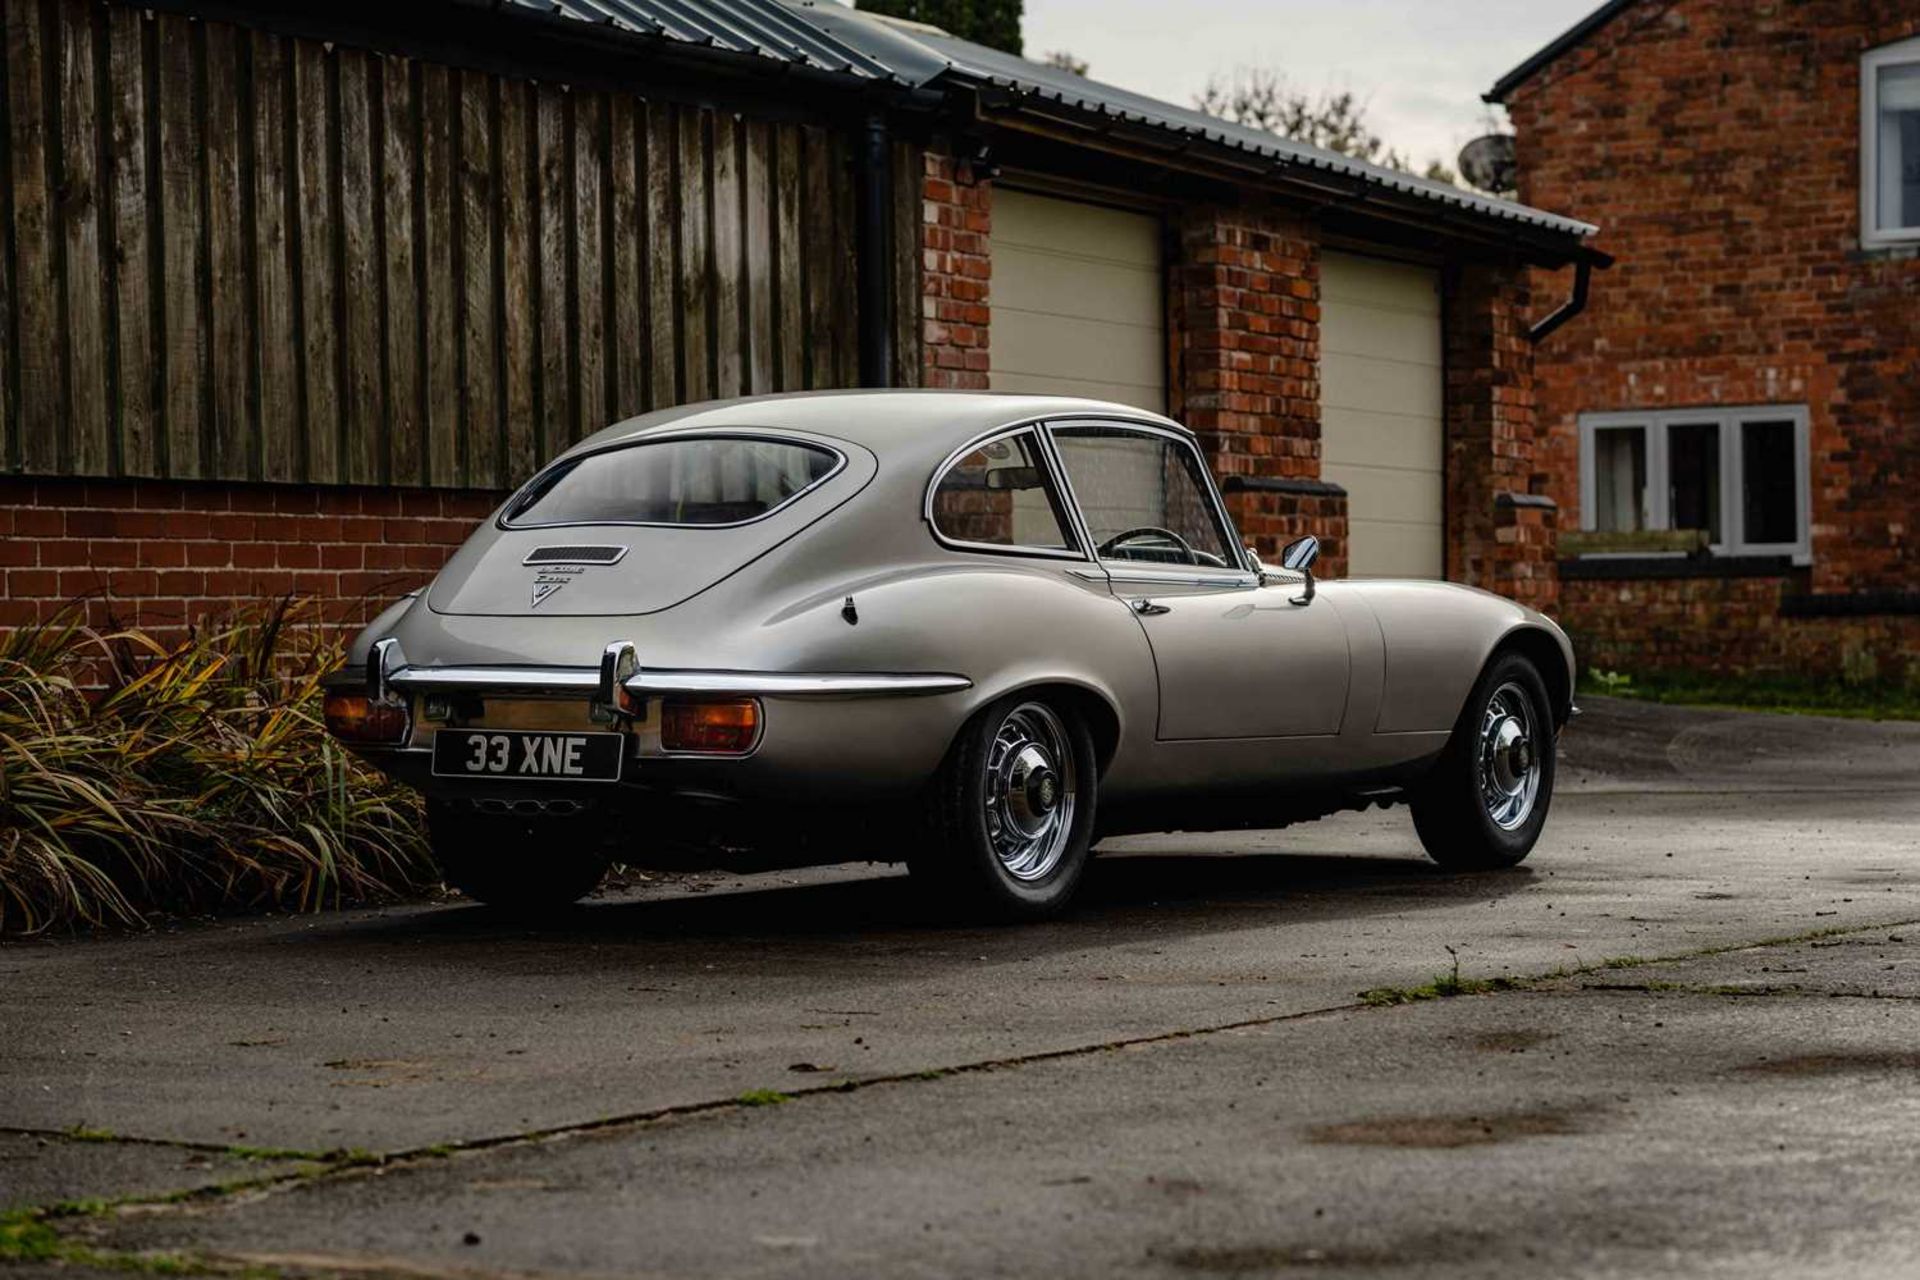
x=973, y=633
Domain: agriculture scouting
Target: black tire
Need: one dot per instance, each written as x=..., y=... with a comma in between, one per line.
x=962, y=866
x=521, y=864
x=1454, y=814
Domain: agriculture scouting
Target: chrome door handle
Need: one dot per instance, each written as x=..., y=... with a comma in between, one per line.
x=1148, y=609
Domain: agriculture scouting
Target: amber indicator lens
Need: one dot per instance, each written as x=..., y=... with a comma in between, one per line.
x=354, y=717
x=721, y=728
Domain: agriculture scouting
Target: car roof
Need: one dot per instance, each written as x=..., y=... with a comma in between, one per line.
x=890, y=423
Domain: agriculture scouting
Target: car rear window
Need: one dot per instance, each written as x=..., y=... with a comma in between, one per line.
x=706, y=480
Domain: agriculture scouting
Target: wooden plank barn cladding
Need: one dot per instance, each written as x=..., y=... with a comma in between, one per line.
x=240, y=254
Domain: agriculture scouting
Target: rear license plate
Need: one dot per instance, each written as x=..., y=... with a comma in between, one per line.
x=513, y=753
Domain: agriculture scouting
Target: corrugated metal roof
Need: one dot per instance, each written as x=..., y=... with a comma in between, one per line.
x=755, y=28
x=1050, y=84
x=976, y=65
x=826, y=36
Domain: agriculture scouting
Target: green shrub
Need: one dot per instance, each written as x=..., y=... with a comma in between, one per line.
x=139, y=777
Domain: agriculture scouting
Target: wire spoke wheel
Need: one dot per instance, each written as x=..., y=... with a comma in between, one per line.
x=1030, y=793
x=1507, y=762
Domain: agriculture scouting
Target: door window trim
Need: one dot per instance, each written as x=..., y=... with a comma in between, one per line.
x=1119, y=570
x=1051, y=472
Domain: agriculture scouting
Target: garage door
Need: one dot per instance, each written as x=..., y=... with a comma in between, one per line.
x=1077, y=303
x=1381, y=435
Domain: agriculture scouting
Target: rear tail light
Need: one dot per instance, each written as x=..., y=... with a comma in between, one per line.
x=354, y=717
x=729, y=727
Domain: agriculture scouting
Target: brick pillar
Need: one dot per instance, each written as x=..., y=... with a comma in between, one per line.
x=956, y=273
x=1244, y=291
x=1501, y=534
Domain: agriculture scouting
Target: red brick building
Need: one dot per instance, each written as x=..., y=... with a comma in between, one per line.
x=292, y=292
x=1748, y=375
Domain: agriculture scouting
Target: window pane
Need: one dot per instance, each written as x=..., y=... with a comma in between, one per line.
x=999, y=495
x=1770, y=504
x=1693, y=477
x=1135, y=490
x=1620, y=479
x=705, y=480
x=1898, y=199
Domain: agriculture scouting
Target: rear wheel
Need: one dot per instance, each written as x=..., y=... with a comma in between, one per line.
x=1012, y=811
x=516, y=862
x=1485, y=802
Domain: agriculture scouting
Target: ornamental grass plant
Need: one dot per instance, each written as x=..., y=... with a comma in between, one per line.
x=139, y=777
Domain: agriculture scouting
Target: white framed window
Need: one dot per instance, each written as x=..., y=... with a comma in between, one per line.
x=1739, y=474
x=1890, y=145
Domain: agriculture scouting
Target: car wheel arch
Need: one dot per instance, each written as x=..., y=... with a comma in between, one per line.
x=1542, y=649
x=1094, y=706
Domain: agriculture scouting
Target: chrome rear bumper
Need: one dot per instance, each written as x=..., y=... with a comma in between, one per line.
x=389, y=672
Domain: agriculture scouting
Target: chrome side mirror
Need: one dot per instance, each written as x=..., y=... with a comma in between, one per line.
x=1299, y=556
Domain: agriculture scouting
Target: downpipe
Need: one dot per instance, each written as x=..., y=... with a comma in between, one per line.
x=874, y=255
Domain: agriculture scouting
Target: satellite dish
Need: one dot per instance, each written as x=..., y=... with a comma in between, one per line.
x=1489, y=164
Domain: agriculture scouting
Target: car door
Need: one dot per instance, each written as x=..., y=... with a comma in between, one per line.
x=1236, y=658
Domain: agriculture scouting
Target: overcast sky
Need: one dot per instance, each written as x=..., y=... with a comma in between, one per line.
x=1420, y=65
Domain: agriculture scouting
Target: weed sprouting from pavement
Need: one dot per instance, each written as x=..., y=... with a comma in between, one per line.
x=32, y=1234
x=1444, y=986
x=763, y=1098
x=270, y=1153
x=27, y=1235
x=1451, y=983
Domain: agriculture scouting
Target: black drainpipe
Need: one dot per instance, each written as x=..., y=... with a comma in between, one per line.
x=874, y=254
x=1582, y=280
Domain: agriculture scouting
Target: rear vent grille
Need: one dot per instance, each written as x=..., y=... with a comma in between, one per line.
x=575, y=555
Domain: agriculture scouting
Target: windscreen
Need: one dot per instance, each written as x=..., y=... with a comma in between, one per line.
x=705, y=480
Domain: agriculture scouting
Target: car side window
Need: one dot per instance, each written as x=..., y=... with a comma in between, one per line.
x=1144, y=497
x=999, y=495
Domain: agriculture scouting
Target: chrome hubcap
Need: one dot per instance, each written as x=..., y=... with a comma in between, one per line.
x=1509, y=760
x=1030, y=791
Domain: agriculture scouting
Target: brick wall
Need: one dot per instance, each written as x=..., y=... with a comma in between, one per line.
x=162, y=554
x=1244, y=303
x=1733, y=625
x=1501, y=533
x=1716, y=142
x=956, y=272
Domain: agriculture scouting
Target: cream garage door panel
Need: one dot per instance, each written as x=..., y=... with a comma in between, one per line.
x=1077, y=301
x=1361, y=382
x=1381, y=412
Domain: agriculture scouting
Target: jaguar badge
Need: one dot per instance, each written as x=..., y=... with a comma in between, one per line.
x=548, y=581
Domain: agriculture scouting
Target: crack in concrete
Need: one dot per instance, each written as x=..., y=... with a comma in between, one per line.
x=106, y=1137
x=335, y=1166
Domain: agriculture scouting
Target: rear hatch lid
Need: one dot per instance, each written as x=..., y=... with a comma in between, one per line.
x=641, y=526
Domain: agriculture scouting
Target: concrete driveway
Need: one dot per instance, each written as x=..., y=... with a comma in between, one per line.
x=1690, y=1043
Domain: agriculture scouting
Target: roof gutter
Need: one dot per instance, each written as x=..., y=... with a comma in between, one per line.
x=1544, y=246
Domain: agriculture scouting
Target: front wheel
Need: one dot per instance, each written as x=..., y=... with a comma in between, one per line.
x=1485, y=802
x=518, y=863
x=1011, y=811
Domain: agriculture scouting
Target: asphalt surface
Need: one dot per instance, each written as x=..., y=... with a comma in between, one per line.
x=1179, y=1078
